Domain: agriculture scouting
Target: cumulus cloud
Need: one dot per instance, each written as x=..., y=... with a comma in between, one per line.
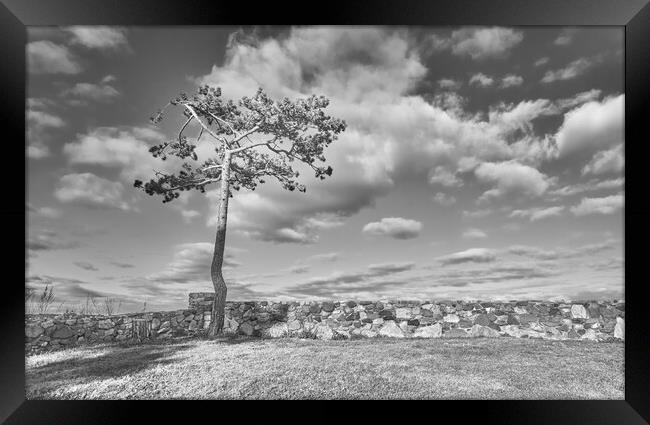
x=572, y=70
x=565, y=37
x=444, y=177
x=444, y=199
x=41, y=123
x=89, y=190
x=481, y=80
x=604, y=205
x=474, y=233
x=479, y=42
x=472, y=255
x=590, y=186
x=449, y=84
x=541, y=61
x=394, y=227
x=534, y=214
x=511, y=178
x=511, y=80
x=606, y=162
x=592, y=127
x=81, y=92
x=126, y=149
x=98, y=37
x=45, y=57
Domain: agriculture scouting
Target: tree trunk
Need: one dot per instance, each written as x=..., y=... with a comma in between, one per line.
x=220, y=290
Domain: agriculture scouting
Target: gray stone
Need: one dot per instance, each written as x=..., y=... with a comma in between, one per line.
x=63, y=332
x=294, y=325
x=327, y=306
x=433, y=331
x=278, y=330
x=32, y=331
x=390, y=329
x=578, y=311
x=323, y=332
x=403, y=313
x=368, y=333
x=483, y=331
x=482, y=319
x=105, y=324
x=451, y=318
x=246, y=329
x=619, y=329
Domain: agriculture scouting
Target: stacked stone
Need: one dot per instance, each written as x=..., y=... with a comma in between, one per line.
x=595, y=321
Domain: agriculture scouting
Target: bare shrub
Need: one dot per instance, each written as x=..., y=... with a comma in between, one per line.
x=45, y=300
x=111, y=306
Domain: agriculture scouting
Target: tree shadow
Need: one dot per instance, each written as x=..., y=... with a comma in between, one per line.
x=115, y=360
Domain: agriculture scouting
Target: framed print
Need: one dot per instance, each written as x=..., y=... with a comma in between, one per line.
x=432, y=201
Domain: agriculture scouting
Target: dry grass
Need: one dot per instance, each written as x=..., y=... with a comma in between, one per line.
x=242, y=368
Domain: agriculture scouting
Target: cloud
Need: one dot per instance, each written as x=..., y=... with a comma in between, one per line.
x=89, y=190
x=299, y=269
x=98, y=37
x=479, y=42
x=472, y=255
x=535, y=214
x=565, y=37
x=474, y=233
x=192, y=263
x=605, y=205
x=511, y=178
x=46, y=240
x=444, y=177
x=45, y=57
x=592, y=127
x=329, y=256
x=605, y=162
x=81, y=92
x=46, y=212
x=541, y=61
x=561, y=252
x=578, y=99
x=572, y=70
x=122, y=265
x=40, y=126
x=443, y=199
x=86, y=266
x=449, y=84
x=126, y=149
x=481, y=80
x=394, y=227
x=511, y=80
x=477, y=213
x=590, y=186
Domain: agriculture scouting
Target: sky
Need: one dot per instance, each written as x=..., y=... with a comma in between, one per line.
x=478, y=163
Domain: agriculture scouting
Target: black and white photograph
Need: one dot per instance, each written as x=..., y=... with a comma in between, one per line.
x=325, y=212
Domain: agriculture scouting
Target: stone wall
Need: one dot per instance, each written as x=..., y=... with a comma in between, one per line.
x=595, y=321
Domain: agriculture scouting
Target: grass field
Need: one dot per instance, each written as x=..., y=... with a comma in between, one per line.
x=503, y=368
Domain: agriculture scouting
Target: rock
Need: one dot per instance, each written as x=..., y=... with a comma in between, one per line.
x=109, y=332
x=294, y=325
x=483, y=331
x=433, y=331
x=378, y=321
x=62, y=332
x=390, y=329
x=230, y=325
x=413, y=322
x=451, y=318
x=403, y=313
x=387, y=315
x=314, y=309
x=32, y=331
x=327, y=306
x=455, y=333
x=155, y=323
x=351, y=304
x=246, y=329
x=513, y=331
x=578, y=311
x=527, y=318
x=520, y=310
x=323, y=332
x=619, y=329
x=105, y=324
x=590, y=334
x=482, y=319
x=278, y=330
x=71, y=322
x=368, y=333
x=47, y=324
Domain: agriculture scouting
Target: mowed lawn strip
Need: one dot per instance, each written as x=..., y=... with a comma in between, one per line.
x=247, y=368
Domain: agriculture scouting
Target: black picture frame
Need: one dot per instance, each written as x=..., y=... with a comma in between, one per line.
x=634, y=15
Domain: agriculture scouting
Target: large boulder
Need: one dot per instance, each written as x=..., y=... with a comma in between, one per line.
x=482, y=319
x=33, y=330
x=63, y=332
x=483, y=331
x=433, y=331
x=578, y=311
x=246, y=329
x=390, y=329
x=619, y=329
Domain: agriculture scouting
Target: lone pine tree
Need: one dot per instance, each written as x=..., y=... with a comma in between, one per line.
x=254, y=138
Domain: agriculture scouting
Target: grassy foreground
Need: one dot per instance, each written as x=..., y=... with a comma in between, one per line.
x=503, y=368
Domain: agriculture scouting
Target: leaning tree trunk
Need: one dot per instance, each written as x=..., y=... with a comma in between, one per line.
x=220, y=290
